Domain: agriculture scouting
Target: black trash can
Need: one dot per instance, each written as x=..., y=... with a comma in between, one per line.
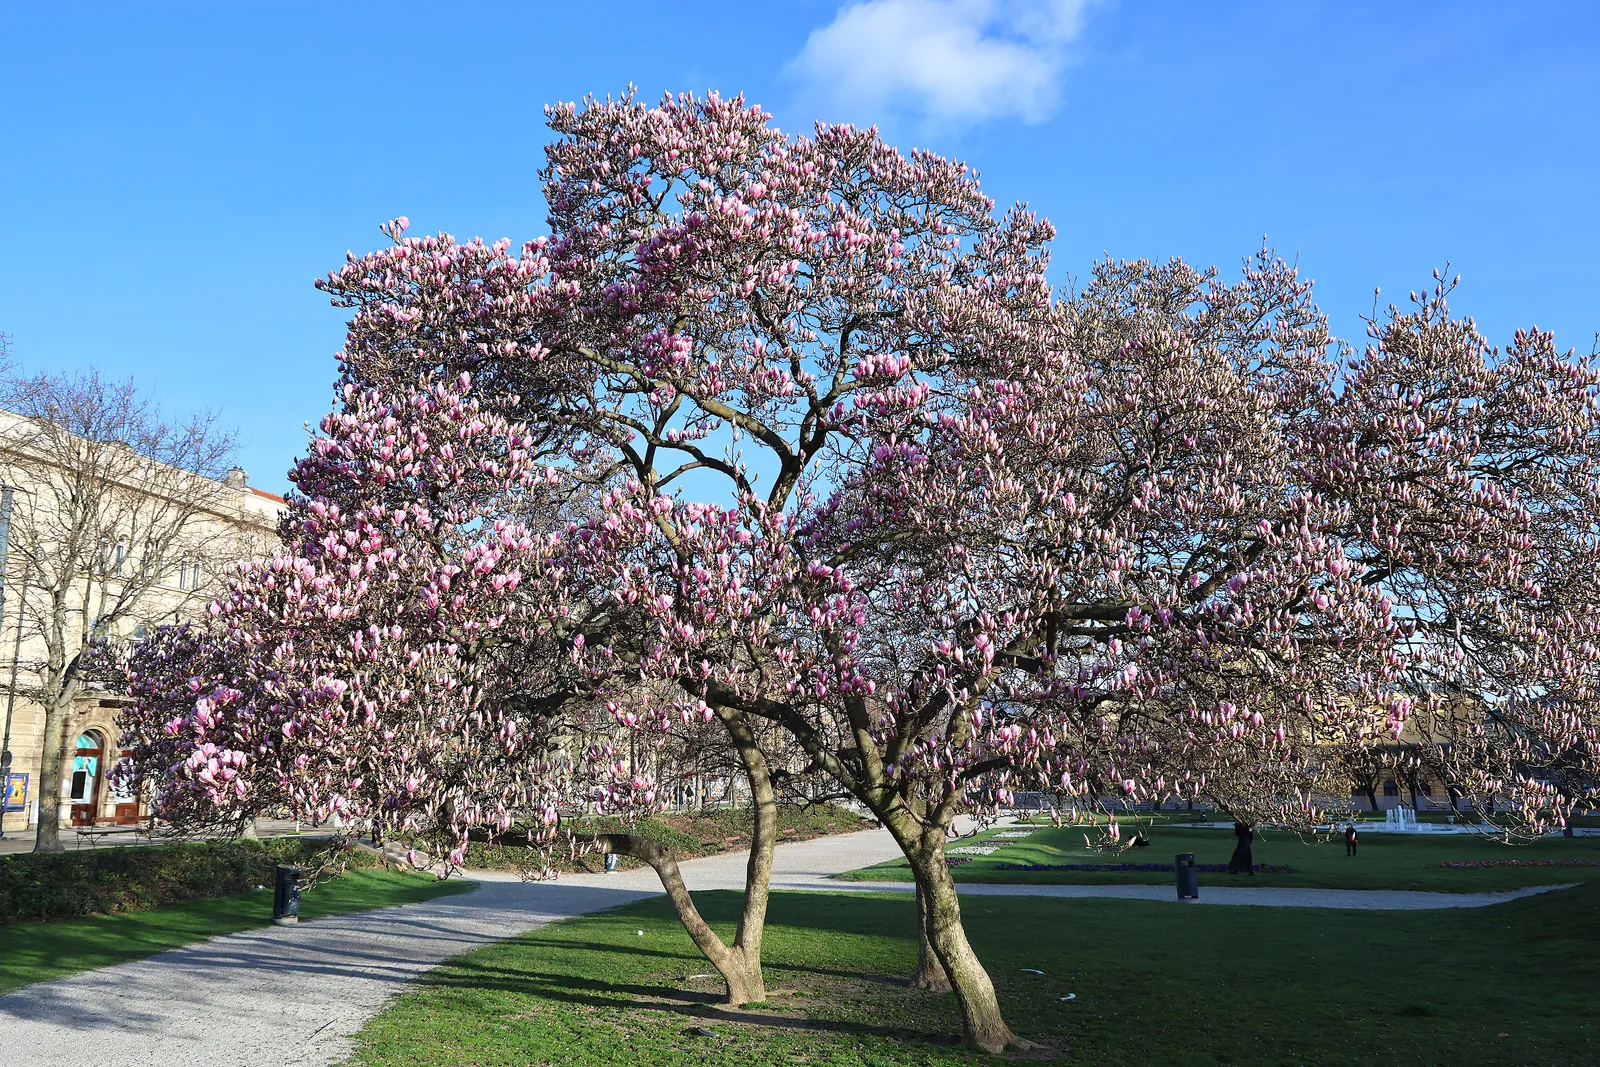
x=286, y=895
x=1188, y=877
x=611, y=862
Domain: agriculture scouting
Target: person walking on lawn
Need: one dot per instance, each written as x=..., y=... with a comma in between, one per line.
x=1350, y=839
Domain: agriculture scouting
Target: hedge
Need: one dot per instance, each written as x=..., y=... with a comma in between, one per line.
x=63, y=885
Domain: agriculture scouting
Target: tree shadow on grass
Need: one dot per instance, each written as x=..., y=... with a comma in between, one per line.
x=695, y=959
x=466, y=976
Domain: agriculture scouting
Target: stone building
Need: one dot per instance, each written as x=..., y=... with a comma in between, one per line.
x=176, y=576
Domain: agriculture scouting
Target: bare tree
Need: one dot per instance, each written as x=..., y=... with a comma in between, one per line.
x=108, y=498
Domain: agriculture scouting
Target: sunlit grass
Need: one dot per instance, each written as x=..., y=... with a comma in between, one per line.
x=1383, y=861
x=1153, y=984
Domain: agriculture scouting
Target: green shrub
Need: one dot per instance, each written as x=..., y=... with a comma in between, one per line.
x=133, y=878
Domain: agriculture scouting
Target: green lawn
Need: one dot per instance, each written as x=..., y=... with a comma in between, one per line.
x=1154, y=984
x=36, y=951
x=1384, y=861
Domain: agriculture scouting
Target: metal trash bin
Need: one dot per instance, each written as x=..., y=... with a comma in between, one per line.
x=1188, y=877
x=286, y=895
x=612, y=859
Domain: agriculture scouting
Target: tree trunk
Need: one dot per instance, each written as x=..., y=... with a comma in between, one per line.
x=739, y=966
x=758, y=871
x=981, y=1020
x=1243, y=860
x=48, y=836
x=939, y=918
x=930, y=974
x=739, y=963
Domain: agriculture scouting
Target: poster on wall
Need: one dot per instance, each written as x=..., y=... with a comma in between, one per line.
x=16, y=792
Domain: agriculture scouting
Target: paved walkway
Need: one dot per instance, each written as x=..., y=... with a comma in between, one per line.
x=1264, y=897
x=296, y=995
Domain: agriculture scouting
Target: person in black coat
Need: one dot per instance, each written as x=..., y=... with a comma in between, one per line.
x=1243, y=861
x=1350, y=839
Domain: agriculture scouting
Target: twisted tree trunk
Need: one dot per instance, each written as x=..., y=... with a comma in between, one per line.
x=930, y=974
x=738, y=963
x=982, y=1022
x=940, y=920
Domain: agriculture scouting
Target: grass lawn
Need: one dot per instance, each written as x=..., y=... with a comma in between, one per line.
x=1384, y=861
x=1155, y=984
x=36, y=951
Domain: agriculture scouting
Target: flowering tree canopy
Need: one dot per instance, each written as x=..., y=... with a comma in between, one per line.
x=792, y=434
x=1471, y=480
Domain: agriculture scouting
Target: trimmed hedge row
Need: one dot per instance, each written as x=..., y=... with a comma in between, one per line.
x=63, y=885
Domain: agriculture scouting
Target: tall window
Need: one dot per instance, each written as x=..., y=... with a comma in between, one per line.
x=85, y=767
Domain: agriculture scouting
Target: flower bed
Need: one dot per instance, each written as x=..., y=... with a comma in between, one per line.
x=1209, y=868
x=1460, y=864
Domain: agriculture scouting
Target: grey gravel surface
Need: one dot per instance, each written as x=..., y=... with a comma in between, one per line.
x=295, y=995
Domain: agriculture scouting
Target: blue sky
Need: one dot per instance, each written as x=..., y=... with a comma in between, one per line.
x=172, y=178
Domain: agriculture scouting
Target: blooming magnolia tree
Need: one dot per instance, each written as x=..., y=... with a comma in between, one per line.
x=1472, y=480
x=460, y=712
x=792, y=436
x=300, y=696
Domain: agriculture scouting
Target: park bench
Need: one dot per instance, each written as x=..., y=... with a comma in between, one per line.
x=102, y=830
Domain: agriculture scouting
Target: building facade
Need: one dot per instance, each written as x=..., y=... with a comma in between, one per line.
x=140, y=573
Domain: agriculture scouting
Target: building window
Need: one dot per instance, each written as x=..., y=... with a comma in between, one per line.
x=189, y=575
x=85, y=767
x=1391, y=789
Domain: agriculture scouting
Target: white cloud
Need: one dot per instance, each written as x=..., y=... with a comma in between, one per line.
x=948, y=61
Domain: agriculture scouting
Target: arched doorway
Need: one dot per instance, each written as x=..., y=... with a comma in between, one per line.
x=88, y=759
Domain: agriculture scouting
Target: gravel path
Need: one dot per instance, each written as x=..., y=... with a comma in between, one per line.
x=295, y=995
